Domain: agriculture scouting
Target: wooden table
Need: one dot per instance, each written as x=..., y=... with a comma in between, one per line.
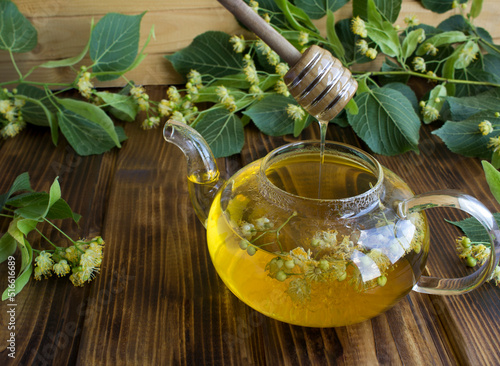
x=158, y=299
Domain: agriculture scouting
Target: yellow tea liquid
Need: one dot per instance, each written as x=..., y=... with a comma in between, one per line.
x=308, y=268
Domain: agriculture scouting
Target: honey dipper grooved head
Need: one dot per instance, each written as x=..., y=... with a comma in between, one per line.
x=320, y=84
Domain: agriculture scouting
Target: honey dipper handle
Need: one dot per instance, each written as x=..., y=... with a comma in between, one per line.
x=263, y=30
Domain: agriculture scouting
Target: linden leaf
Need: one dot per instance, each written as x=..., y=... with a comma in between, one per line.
x=210, y=53
x=493, y=179
x=317, y=9
x=386, y=121
x=222, y=130
x=114, y=44
x=17, y=34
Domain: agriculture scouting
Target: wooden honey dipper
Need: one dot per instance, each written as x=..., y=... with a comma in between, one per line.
x=317, y=80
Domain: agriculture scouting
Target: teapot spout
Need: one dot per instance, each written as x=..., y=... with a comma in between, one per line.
x=202, y=172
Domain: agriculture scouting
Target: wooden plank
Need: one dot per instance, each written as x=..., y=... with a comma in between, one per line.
x=63, y=29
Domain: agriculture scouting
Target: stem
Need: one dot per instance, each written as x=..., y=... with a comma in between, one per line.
x=9, y=216
x=425, y=76
x=15, y=66
x=47, y=239
x=62, y=232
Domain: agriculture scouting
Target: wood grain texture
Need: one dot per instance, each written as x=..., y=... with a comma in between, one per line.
x=158, y=299
x=63, y=30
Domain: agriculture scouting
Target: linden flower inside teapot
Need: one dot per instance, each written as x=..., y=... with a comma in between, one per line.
x=320, y=242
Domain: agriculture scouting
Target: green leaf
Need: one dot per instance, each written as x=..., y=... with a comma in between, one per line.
x=21, y=183
x=476, y=8
x=222, y=130
x=407, y=92
x=388, y=8
x=17, y=34
x=352, y=107
x=60, y=210
x=493, y=179
x=210, y=53
x=114, y=44
x=270, y=116
x=473, y=229
x=93, y=114
x=411, y=42
x=382, y=32
x=462, y=108
x=395, y=129
x=465, y=138
x=26, y=225
x=295, y=15
x=348, y=40
x=317, y=9
x=25, y=275
x=440, y=6
x=84, y=135
x=477, y=75
x=442, y=39
x=333, y=38
x=35, y=113
x=8, y=246
x=70, y=61
x=436, y=100
x=125, y=106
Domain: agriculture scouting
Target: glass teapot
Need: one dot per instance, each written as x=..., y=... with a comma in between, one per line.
x=319, y=239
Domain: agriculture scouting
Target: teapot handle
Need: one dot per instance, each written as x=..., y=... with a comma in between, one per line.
x=456, y=199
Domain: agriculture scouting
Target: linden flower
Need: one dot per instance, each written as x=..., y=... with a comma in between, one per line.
x=12, y=128
x=496, y=276
x=282, y=69
x=468, y=54
x=256, y=92
x=43, y=263
x=273, y=58
x=247, y=230
x=72, y=254
x=150, y=123
x=61, y=268
x=430, y=113
x=299, y=290
x=251, y=73
x=481, y=253
x=411, y=20
x=358, y=27
x=263, y=223
x=362, y=46
x=494, y=142
x=238, y=43
x=5, y=105
x=485, y=127
x=173, y=94
x=281, y=88
x=164, y=108
x=225, y=99
x=295, y=112
x=419, y=64
x=194, y=77
x=254, y=5
x=371, y=53
x=430, y=49
x=137, y=91
x=84, y=85
x=303, y=38
x=267, y=17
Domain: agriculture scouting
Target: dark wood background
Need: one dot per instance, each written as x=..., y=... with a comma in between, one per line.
x=158, y=299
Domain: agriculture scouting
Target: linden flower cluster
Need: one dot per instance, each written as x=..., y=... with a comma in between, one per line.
x=474, y=253
x=326, y=257
x=11, y=119
x=82, y=259
x=358, y=27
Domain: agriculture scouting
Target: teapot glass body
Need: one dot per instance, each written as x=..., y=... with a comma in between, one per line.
x=320, y=236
